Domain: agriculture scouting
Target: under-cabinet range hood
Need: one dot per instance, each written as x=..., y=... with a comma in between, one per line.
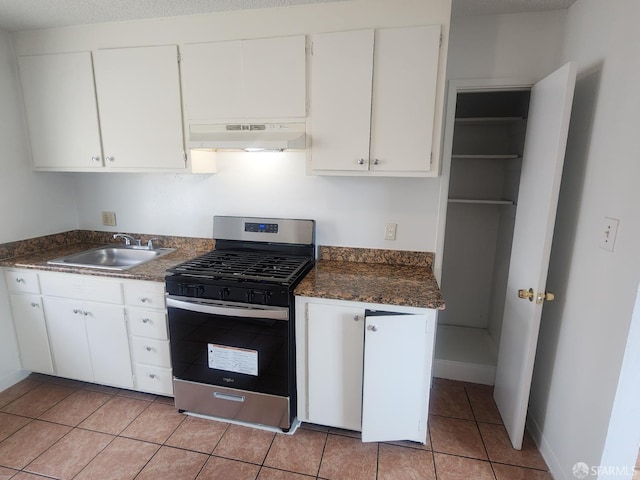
x=246, y=136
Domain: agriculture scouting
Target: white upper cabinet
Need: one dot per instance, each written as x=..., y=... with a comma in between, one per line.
x=138, y=93
x=119, y=110
x=245, y=80
x=341, y=100
x=373, y=101
x=61, y=110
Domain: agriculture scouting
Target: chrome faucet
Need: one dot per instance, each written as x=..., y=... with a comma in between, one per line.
x=127, y=239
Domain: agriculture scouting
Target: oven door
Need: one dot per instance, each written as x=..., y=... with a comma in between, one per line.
x=239, y=346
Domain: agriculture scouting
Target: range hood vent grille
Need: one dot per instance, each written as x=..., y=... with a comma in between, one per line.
x=249, y=136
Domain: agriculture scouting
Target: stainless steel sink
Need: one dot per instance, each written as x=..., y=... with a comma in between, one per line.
x=111, y=257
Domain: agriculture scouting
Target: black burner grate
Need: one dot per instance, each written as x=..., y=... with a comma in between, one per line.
x=243, y=265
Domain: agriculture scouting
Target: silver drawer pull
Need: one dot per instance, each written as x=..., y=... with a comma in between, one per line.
x=152, y=376
x=145, y=299
x=373, y=328
x=226, y=396
x=87, y=314
x=145, y=320
x=148, y=349
x=35, y=305
x=77, y=311
x=356, y=318
x=20, y=280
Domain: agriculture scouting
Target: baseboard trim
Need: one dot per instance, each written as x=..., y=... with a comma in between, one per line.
x=13, y=378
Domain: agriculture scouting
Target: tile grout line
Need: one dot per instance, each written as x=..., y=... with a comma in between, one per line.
x=475, y=419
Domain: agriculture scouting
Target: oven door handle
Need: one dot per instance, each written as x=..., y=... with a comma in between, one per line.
x=228, y=311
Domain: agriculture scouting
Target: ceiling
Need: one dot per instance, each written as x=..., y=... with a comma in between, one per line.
x=16, y=15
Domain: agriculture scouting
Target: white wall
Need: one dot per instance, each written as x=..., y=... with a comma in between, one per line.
x=349, y=211
x=584, y=332
x=32, y=204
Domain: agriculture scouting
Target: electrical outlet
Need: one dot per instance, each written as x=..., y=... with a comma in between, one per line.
x=109, y=219
x=390, y=231
x=609, y=233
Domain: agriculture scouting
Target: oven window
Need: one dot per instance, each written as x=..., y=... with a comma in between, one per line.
x=242, y=353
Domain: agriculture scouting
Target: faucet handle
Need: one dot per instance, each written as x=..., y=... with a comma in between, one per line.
x=150, y=245
x=127, y=238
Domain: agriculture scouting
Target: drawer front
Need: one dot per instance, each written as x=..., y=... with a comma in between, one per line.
x=148, y=323
x=81, y=287
x=22, y=281
x=144, y=294
x=151, y=351
x=154, y=380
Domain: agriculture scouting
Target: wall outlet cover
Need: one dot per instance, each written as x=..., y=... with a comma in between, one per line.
x=109, y=219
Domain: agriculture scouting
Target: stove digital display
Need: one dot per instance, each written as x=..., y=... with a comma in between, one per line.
x=261, y=227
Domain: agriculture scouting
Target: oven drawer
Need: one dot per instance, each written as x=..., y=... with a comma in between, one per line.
x=148, y=323
x=154, y=379
x=144, y=294
x=151, y=351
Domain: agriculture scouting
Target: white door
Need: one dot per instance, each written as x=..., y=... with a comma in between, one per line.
x=62, y=115
x=341, y=80
x=397, y=372
x=335, y=348
x=543, y=158
x=140, y=107
x=31, y=331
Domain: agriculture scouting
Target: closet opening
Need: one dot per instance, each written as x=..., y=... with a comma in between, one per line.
x=486, y=161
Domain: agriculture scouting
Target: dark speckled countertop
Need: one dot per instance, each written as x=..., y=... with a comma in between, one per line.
x=388, y=277
x=34, y=253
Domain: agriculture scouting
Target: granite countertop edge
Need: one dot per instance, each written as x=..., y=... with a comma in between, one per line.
x=33, y=254
x=385, y=277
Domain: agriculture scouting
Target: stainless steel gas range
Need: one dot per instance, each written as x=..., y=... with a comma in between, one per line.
x=231, y=320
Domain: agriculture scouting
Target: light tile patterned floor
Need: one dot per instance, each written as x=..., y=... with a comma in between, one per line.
x=56, y=428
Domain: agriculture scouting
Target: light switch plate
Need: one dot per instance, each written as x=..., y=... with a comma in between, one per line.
x=109, y=219
x=390, y=231
x=608, y=233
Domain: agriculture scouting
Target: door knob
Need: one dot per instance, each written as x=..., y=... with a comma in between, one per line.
x=526, y=294
x=545, y=296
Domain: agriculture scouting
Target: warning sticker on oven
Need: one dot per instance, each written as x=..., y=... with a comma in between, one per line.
x=233, y=359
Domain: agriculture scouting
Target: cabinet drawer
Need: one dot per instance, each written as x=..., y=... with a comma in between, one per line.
x=144, y=294
x=81, y=287
x=154, y=379
x=22, y=281
x=148, y=323
x=151, y=351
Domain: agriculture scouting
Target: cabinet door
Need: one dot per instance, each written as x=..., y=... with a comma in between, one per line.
x=212, y=78
x=274, y=77
x=245, y=79
x=140, y=109
x=31, y=331
x=62, y=115
x=108, y=344
x=68, y=338
x=397, y=357
x=335, y=352
x=341, y=100
x=404, y=94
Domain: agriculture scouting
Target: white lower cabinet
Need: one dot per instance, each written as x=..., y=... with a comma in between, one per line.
x=95, y=329
x=89, y=341
x=149, y=336
x=365, y=367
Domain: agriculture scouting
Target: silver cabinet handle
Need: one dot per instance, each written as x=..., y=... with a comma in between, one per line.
x=376, y=162
x=145, y=320
x=95, y=159
x=148, y=349
x=372, y=328
x=87, y=314
x=145, y=299
x=152, y=376
x=20, y=280
x=361, y=161
x=356, y=318
x=77, y=311
x=110, y=159
x=35, y=305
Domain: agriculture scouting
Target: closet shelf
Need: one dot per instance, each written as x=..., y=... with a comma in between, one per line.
x=477, y=201
x=493, y=120
x=485, y=157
